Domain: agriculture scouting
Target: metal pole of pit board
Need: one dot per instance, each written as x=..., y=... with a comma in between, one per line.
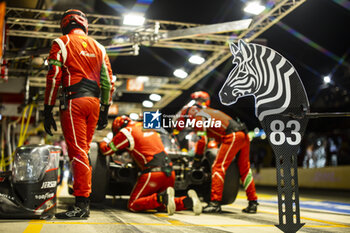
x=285, y=134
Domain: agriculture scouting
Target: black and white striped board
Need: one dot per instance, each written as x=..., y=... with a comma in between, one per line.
x=281, y=105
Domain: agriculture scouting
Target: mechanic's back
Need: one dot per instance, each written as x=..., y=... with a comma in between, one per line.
x=80, y=57
x=147, y=144
x=143, y=145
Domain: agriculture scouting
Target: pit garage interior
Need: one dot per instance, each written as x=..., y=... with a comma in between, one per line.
x=311, y=34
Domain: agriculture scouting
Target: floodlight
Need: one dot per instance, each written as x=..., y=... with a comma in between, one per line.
x=155, y=97
x=180, y=73
x=114, y=78
x=142, y=79
x=147, y=104
x=254, y=8
x=133, y=19
x=66, y=174
x=326, y=79
x=196, y=59
x=256, y=131
x=134, y=116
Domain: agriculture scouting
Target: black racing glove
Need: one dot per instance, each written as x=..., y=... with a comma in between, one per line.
x=103, y=118
x=48, y=119
x=197, y=162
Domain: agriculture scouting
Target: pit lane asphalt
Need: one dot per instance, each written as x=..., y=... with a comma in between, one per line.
x=320, y=213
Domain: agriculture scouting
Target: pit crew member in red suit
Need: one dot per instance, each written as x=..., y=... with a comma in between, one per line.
x=81, y=66
x=233, y=138
x=154, y=187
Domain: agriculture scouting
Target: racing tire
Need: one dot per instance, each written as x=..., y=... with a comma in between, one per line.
x=232, y=183
x=100, y=174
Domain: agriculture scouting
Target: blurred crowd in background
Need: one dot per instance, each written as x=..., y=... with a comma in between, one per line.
x=316, y=151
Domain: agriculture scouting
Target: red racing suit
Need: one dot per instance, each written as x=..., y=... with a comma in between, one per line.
x=233, y=139
x=74, y=57
x=143, y=146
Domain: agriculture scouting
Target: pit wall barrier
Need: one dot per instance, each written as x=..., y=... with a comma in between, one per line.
x=324, y=178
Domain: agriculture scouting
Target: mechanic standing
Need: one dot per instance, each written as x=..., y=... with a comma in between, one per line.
x=81, y=66
x=154, y=186
x=233, y=138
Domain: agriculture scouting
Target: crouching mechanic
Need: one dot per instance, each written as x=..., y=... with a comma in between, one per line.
x=233, y=138
x=81, y=66
x=154, y=187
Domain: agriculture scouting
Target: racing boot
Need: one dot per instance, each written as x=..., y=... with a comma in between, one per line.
x=212, y=207
x=167, y=198
x=251, y=208
x=81, y=210
x=192, y=202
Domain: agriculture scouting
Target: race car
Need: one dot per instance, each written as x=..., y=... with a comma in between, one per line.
x=29, y=190
x=116, y=175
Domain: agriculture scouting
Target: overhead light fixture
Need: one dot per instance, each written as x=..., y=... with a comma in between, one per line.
x=180, y=73
x=37, y=62
x=147, y=104
x=196, y=59
x=118, y=40
x=114, y=78
x=142, y=79
x=256, y=131
x=254, y=8
x=134, y=116
x=133, y=19
x=327, y=79
x=155, y=97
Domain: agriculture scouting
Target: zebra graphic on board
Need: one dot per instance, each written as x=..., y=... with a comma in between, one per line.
x=269, y=77
x=281, y=105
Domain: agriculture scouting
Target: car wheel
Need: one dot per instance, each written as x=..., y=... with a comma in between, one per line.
x=100, y=174
x=231, y=185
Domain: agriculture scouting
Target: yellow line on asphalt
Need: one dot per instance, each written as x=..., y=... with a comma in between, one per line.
x=312, y=219
x=333, y=224
x=323, y=221
x=161, y=215
x=242, y=195
x=325, y=226
x=176, y=223
x=105, y=223
x=33, y=227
